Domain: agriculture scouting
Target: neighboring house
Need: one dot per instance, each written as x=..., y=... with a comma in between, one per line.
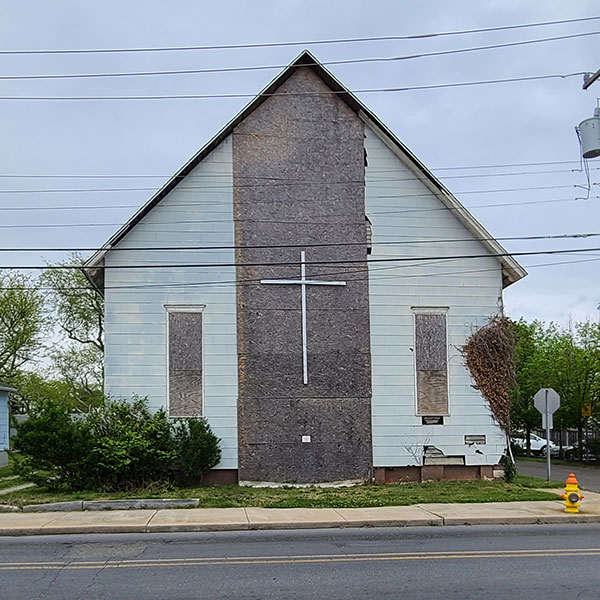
x=4, y=423
x=355, y=373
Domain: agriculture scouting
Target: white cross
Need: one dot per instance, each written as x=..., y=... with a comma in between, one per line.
x=303, y=282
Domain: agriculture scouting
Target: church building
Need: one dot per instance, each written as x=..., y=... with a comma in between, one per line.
x=305, y=283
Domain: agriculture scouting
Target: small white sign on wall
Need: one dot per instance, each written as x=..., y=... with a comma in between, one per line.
x=305, y=439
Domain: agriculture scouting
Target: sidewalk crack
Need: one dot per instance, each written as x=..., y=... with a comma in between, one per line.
x=431, y=512
x=345, y=521
x=150, y=520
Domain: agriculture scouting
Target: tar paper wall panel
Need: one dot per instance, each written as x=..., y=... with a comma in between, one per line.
x=402, y=209
x=198, y=212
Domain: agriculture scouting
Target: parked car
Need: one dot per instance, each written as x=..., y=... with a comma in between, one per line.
x=537, y=444
x=588, y=454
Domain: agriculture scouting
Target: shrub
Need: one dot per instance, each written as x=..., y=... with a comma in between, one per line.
x=517, y=450
x=510, y=468
x=593, y=445
x=116, y=446
x=52, y=447
x=197, y=447
x=132, y=446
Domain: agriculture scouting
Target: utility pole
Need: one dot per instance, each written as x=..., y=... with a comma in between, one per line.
x=589, y=78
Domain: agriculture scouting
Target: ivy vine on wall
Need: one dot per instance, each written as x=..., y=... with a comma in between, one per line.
x=489, y=356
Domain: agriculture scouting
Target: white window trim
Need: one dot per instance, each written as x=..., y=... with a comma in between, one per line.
x=183, y=308
x=429, y=310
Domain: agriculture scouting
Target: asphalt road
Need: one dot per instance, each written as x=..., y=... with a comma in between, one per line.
x=588, y=477
x=536, y=561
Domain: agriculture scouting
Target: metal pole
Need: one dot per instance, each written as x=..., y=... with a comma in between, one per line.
x=548, y=463
x=590, y=78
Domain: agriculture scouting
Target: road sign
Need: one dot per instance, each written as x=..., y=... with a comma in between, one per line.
x=547, y=395
x=547, y=401
x=586, y=409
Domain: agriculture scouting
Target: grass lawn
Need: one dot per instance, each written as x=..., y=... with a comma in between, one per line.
x=7, y=471
x=358, y=496
x=8, y=483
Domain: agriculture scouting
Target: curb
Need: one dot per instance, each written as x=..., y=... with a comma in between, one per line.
x=80, y=505
x=172, y=520
x=208, y=527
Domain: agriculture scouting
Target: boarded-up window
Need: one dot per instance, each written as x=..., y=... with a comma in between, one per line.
x=431, y=358
x=185, y=363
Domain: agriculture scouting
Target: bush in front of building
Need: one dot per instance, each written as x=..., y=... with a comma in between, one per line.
x=133, y=447
x=197, y=449
x=51, y=447
x=117, y=446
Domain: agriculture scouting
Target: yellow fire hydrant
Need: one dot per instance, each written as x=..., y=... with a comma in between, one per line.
x=572, y=495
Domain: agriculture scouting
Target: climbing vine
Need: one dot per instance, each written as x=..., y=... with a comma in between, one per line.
x=489, y=355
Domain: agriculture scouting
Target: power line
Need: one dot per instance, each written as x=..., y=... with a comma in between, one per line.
x=372, y=169
x=346, y=273
x=375, y=213
x=212, y=188
x=194, y=178
x=301, y=43
x=309, y=263
x=348, y=61
x=292, y=94
x=316, y=245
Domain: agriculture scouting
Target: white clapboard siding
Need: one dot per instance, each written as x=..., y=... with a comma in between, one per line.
x=198, y=212
x=403, y=209
x=3, y=420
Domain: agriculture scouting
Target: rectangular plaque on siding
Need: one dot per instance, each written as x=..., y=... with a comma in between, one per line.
x=185, y=364
x=431, y=357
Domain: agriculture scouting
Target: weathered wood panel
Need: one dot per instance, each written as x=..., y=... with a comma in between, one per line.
x=430, y=342
x=299, y=182
x=185, y=364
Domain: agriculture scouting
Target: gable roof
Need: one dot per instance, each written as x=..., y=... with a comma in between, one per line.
x=512, y=271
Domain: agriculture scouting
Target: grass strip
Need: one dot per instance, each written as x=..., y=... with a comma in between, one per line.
x=368, y=495
x=8, y=483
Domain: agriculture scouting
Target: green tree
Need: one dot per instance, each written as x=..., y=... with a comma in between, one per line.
x=78, y=306
x=566, y=360
x=79, y=313
x=575, y=374
x=23, y=323
x=79, y=370
x=530, y=374
x=34, y=389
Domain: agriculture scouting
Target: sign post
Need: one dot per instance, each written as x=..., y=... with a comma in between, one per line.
x=547, y=401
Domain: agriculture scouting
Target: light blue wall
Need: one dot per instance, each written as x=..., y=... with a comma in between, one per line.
x=402, y=209
x=198, y=212
x=3, y=420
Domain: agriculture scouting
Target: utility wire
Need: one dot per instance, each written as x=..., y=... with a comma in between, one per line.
x=212, y=188
x=309, y=263
x=371, y=169
x=561, y=236
x=244, y=282
x=376, y=179
x=376, y=213
x=348, y=61
x=301, y=43
x=293, y=94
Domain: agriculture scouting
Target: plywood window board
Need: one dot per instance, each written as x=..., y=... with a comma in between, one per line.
x=185, y=372
x=431, y=361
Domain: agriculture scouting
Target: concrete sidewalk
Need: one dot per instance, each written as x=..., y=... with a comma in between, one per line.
x=222, y=519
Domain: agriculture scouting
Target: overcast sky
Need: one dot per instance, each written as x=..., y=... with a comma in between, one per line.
x=497, y=124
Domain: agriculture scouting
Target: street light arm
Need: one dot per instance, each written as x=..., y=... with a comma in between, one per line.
x=589, y=78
